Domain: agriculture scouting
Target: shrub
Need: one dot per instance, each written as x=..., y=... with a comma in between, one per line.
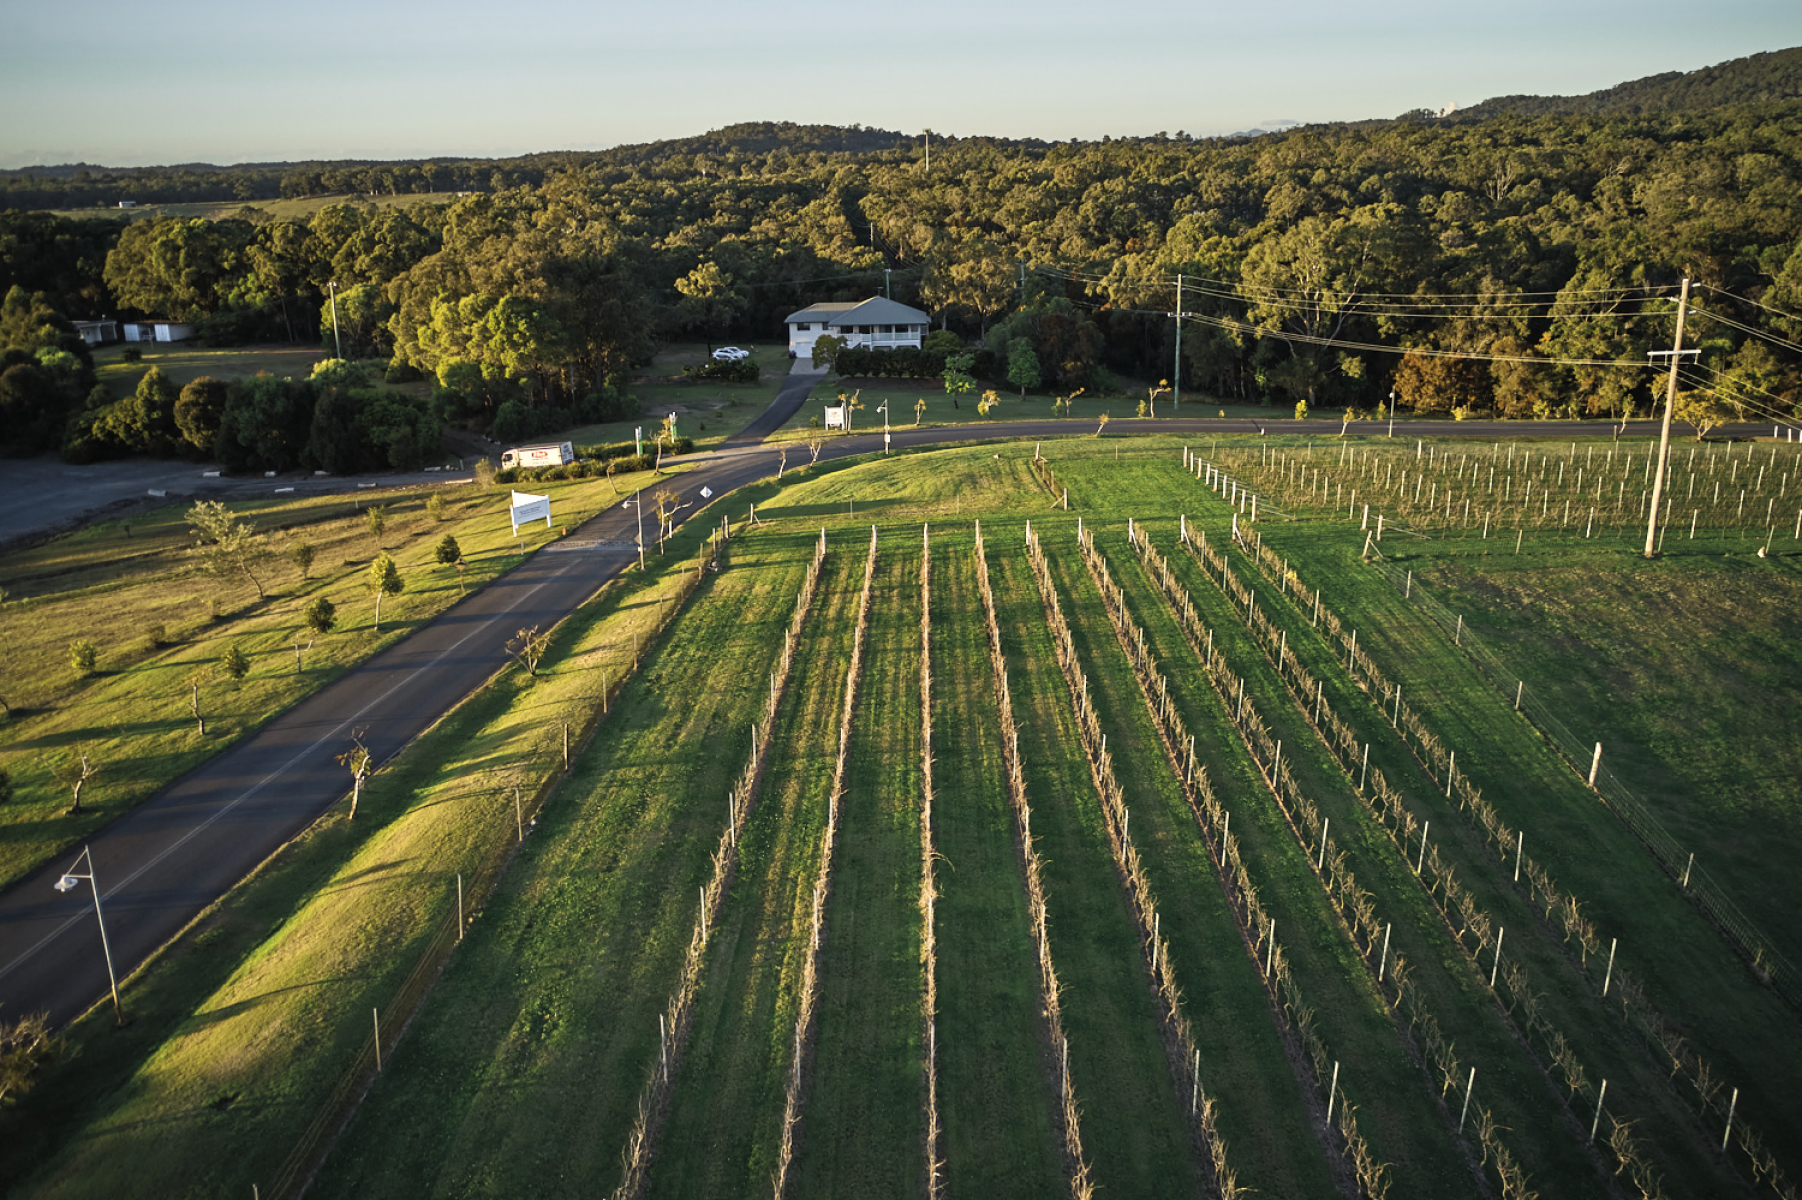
x=402, y=372
x=321, y=615
x=157, y=636
x=235, y=663
x=133, y=354
x=82, y=656
x=448, y=551
x=745, y=370
x=434, y=506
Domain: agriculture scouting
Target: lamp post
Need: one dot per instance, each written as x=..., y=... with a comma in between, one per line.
x=1391, y=412
x=70, y=880
x=637, y=502
x=337, y=346
x=883, y=409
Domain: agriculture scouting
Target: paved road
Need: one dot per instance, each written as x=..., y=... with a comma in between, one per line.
x=45, y=494
x=164, y=862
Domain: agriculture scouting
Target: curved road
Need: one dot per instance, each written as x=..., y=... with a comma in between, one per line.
x=165, y=861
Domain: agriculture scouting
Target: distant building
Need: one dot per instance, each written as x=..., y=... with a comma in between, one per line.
x=158, y=331
x=98, y=333
x=877, y=323
x=128, y=204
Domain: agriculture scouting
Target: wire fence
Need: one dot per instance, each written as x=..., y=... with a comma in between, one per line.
x=389, y=1022
x=1767, y=962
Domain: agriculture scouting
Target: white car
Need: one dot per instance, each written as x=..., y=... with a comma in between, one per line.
x=730, y=354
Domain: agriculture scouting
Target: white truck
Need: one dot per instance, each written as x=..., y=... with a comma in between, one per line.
x=555, y=455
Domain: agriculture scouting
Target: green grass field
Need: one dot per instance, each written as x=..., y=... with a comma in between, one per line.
x=160, y=623
x=526, y=1060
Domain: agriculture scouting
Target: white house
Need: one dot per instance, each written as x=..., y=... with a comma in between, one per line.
x=878, y=323
x=158, y=331
x=98, y=333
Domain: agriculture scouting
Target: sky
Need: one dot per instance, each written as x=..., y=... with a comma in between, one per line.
x=133, y=84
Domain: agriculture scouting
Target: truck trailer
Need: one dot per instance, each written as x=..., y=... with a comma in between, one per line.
x=555, y=455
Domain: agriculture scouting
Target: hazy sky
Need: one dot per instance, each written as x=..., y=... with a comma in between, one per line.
x=125, y=84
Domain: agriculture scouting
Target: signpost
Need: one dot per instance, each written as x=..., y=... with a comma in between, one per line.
x=835, y=416
x=524, y=508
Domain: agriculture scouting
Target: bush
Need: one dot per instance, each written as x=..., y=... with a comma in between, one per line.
x=402, y=372
x=82, y=656
x=235, y=663
x=745, y=370
x=133, y=354
x=321, y=615
x=903, y=362
x=448, y=551
x=157, y=636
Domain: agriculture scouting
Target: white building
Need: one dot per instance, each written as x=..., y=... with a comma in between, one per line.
x=98, y=333
x=877, y=323
x=158, y=331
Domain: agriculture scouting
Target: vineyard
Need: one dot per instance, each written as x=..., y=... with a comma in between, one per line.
x=1106, y=818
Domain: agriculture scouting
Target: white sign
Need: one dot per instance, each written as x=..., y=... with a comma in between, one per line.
x=526, y=508
x=706, y=493
x=835, y=416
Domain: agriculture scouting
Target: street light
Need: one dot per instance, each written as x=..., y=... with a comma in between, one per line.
x=883, y=409
x=70, y=880
x=1391, y=412
x=635, y=502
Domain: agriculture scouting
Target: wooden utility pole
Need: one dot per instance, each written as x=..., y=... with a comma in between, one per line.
x=1176, y=375
x=1664, y=437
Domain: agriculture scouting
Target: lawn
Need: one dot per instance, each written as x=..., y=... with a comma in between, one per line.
x=184, y=362
x=707, y=410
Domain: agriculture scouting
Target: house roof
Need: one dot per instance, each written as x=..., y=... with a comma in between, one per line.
x=874, y=311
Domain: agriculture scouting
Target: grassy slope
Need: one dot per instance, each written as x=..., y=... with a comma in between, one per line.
x=134, y=715
x=1403, y=1122
x=242, y=1027
x=1134, y=1130
x=725, y=1115
x=994, y=1093
x=1271, y=1141
x=1540, y=1135
x=184, y=362
x=864, y=1126
x=1679, y=959
x=527, y=1062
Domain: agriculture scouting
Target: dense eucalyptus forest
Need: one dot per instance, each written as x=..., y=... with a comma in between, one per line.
x=1520, y=261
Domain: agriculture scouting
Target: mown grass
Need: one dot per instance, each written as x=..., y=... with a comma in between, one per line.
x=526, y=1063
x=1540, y=1135
x=1681, y=962
x=118, y=582
x=241, y=1027
x=995, y=1093
x=184, y=362
x=523, y=1067
x=864, y=1124
x=707, y=411
x=1268, y=1125
x=1134, y=1130
x=1526, y=1105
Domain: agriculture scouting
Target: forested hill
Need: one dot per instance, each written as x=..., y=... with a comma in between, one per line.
x=1755, y=79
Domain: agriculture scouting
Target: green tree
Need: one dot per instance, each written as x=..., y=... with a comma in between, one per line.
x=376, y=517
x=235, y=663
x=957, y=377
x=826, y=349
x=83, y=656
x=448, y=552
x=384, y=580
x=321, y=615
x=198, y=412
x=1022, y=366
x=301, y=555
x=228, y=545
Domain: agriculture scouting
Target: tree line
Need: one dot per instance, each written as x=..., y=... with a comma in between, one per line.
x=1520, y=259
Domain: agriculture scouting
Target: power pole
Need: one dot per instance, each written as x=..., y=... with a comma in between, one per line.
x=1176, y=375
x=886, y=293
x=1664, y=437
x=337, y=347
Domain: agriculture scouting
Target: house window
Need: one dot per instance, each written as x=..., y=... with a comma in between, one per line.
x=803, y=327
